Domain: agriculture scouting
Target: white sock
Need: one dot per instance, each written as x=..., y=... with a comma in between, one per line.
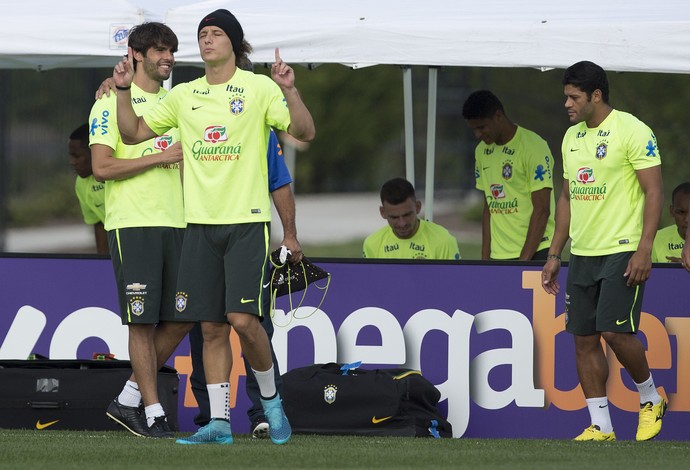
x=266, y=381
x=153, y=411
x=599, y=412
x=648, y=392
x=130, y=395
x=219, y=398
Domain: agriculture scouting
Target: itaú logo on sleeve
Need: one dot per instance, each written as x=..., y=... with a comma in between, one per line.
x=585, y=175
x=215, y=134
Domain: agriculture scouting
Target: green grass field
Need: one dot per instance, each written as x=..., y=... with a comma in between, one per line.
x=119, y=450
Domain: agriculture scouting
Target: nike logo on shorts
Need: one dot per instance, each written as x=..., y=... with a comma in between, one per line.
x=246, y=301
x=620, y=322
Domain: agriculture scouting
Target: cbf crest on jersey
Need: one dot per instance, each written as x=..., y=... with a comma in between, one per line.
x=329, y=393
x=601, y=151
x=236, y=106
x=507, y=170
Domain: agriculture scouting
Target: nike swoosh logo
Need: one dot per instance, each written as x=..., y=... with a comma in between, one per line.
x=376, y=420
x=267, y=284
x=246, y=301
x=619, y=322
x=603, y=406
x=574, y=150
x=194, y=108
x=40, y=425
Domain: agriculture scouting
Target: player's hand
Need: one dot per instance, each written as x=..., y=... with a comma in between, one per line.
x=123, y=73
x=282, y=73
x=295, y=249
x=549, y=276
x=639, y=268
x=105, y=87
x=172, y=154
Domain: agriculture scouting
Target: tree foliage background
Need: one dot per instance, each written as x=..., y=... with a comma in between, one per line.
x=359, y=120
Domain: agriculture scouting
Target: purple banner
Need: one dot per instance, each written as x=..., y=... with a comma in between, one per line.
x=486, y=335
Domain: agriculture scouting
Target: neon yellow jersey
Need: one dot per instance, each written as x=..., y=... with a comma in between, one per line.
x=667, y=242
x=152, y=198
x=508, y=175
x=224, y=131
x=91, y=196
x=606, y=199
x=431, y=241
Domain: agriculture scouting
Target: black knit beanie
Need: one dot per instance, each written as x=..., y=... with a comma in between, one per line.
x=228, y=23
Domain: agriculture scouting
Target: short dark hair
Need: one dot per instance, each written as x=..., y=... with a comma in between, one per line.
x=682, y=188
x=151, y=34
x=588, y=77
x=397, y=191
x=481, y=104
x=81, y=134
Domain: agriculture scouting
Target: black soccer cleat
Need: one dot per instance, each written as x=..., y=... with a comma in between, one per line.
x=259, y=428
x=128, y=417
x=160, y=429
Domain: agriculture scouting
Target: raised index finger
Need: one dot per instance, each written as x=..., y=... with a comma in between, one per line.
x=277, y=55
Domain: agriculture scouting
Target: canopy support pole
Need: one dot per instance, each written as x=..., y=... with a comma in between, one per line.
x=431, y=144
x=409, y=124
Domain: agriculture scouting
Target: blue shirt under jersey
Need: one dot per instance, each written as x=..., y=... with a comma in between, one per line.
x=278, y=173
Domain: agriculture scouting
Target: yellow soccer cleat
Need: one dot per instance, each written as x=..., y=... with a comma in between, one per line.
x=593, y=433
x=649, y=423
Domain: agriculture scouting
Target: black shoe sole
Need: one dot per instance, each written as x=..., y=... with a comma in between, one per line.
x=124, y=425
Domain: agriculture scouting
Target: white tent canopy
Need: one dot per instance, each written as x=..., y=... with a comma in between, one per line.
x=620, y=35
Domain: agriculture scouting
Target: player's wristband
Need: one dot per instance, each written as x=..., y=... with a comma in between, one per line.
x=556, y=257
x=123, y=88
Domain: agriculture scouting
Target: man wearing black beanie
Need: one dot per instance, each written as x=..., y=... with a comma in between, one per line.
x=224, y=119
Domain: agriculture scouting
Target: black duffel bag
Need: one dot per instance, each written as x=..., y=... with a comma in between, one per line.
x=342, y=399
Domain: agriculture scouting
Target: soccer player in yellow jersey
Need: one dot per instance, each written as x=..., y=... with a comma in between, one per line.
x=224, y=120
x=407, y=236
x=513, y=168
x=669, y=241
x=609, y=206
x=145, y=224
x=90, y=193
